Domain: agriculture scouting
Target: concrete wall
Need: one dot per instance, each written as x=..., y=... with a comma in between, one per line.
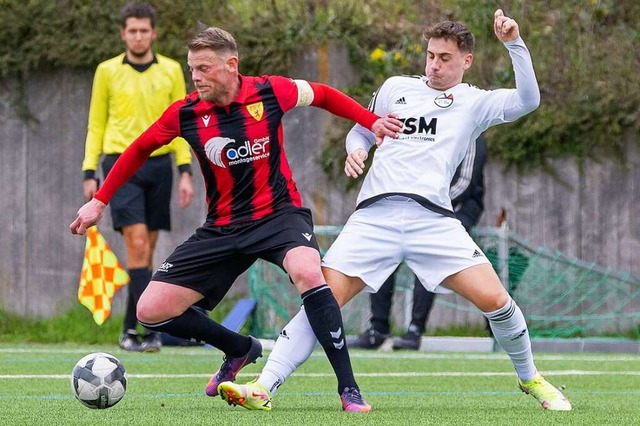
x=590, y=215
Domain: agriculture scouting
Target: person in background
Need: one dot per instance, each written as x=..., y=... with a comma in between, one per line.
x=129, y=93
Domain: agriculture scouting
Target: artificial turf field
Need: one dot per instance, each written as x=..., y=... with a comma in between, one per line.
x=404, y=388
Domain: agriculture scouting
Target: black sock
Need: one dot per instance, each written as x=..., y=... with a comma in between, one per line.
x=194, y=325
x=325, y=318
x=140, y=278
x=130, y=319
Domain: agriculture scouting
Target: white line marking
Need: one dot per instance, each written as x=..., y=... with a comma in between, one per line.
x=400, y=374
x=318, y=354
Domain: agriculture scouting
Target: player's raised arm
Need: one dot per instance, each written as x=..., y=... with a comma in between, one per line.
x=526, y=98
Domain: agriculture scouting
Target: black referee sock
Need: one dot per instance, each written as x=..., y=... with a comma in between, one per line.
x=140, y=278
x=196, y=326
x=325, y=318
x=130, y=320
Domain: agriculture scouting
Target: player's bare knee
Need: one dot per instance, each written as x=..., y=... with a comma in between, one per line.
x=306, y=278
x=305, y=275
x=144, y=313
x=498, y=301
x=139, y=249
x=150, y=312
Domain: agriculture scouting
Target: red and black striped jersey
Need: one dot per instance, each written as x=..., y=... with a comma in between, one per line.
x=239, y=147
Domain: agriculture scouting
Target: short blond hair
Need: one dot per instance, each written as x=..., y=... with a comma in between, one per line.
x=216, y=39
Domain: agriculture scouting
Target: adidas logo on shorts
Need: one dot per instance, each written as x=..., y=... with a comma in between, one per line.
x=476, y=253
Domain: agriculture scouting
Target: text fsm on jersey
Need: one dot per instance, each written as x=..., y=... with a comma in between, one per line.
x=414, y=125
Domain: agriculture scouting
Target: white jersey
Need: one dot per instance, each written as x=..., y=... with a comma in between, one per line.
x=438, y=128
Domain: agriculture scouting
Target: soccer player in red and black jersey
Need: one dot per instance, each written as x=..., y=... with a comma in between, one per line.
x=234, y=126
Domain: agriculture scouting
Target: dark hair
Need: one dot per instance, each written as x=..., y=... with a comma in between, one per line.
x=216, y=39
x=454, y=31
x=138, y=10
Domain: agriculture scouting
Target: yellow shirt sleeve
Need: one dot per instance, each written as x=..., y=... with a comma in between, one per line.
x=97, y=119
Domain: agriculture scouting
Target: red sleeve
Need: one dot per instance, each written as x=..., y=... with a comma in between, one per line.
x=286, y=91
x=162, y=132
x=336, y=102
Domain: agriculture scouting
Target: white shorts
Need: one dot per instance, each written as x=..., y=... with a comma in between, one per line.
x=377, y=238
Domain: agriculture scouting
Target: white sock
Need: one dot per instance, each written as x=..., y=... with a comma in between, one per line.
x=293, y=347
x=510, y=331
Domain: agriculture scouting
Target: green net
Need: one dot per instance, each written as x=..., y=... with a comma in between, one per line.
x=564, y=296
x=559, y=295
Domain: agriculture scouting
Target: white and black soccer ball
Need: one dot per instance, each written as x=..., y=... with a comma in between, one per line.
x=99, y=380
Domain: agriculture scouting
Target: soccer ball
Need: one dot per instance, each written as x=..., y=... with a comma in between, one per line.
x=99, y=380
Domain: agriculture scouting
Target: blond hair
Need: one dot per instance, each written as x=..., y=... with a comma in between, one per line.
x=216, y=39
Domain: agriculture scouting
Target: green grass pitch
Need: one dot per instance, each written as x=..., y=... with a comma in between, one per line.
x=404, y=388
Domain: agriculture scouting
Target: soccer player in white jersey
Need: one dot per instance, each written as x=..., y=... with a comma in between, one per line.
x=404, y=211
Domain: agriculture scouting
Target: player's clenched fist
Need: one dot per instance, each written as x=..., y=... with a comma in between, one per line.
x=506, y=29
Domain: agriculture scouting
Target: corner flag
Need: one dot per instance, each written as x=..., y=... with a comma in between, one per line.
x=101, y=277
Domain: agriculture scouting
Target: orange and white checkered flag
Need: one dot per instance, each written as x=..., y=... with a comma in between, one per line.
x=101, y=277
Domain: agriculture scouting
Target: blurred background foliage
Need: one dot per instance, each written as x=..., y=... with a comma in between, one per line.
x=585, y=53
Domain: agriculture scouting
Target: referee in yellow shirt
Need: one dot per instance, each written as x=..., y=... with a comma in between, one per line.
x=129, y=93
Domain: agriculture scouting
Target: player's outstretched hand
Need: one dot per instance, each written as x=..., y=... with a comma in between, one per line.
x=354, y=165
x=87, y=216
x=506, y=29
x=388, y=125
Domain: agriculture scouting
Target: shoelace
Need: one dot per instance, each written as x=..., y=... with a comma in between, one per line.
x=546, y=390
x=352, y=395
x=225, y=367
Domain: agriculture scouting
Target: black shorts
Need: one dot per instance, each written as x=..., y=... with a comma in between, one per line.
x=146, y=197
x=211, y=259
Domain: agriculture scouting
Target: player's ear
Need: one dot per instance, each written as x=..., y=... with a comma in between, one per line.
x=468, y=60
x=232, y=63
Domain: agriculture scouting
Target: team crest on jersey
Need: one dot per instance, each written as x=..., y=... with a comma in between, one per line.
x=256, y=110
x=444, y=100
